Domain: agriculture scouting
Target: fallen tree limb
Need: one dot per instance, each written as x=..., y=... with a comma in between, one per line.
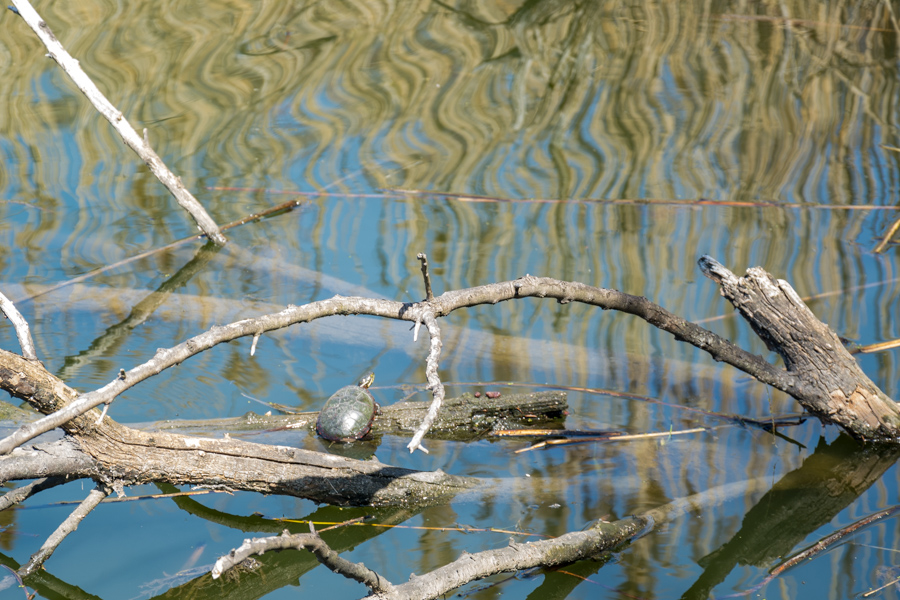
x=822, y=375
x=60, y=458
x=66, y=527
x=62, y=414
x=592, y=542
x=115, y=453
x=140, y=145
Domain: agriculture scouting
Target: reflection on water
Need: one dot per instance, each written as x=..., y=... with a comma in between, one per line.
x=792, y=106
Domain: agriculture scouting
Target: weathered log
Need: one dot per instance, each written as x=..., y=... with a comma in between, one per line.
x=463, y=418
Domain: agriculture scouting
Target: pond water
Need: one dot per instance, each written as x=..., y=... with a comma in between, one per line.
x=603, y=142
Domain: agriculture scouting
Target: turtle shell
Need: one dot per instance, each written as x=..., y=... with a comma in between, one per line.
x=347, y=415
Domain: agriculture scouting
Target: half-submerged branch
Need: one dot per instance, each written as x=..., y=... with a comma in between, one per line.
x=592, y=542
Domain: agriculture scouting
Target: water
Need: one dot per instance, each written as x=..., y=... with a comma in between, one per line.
x=535, y=115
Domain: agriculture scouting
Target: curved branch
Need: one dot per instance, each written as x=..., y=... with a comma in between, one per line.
x=867, y=404
x=563, y=291
x=300, y=541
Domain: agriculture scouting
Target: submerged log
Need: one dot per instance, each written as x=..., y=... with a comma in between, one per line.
x=462, y=418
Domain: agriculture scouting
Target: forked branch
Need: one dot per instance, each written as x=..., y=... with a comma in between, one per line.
x=820, y=373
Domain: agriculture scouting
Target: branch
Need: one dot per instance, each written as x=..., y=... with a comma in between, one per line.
x=309, y=541
x=61, y=458
x=20, y=325
x=71, y=66
x=567, y=291
x=563, y=291
x=20, y=494
x=434, y=380
x=870, y=404
x=67, y=527
x=429, y=295
x=110, y=451
x=830, y=383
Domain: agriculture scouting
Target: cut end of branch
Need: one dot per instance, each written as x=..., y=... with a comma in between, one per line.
x=715, y=270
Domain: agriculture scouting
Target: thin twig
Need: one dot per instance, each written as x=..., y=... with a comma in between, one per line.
x=879, y=347
x=424, y=260
x=20, y=325
x=822, y=545
x=117, y=499
x=284, y=206
x=887, y=237
x=71, y=66
x=615, y=438
x=65, y=528
x=689, y=203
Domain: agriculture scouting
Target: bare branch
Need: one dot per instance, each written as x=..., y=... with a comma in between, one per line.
x=168, y=357
x=20, y=494
x=830, y=383
x=20, y=325
x=434, y=381
x=71, y=66
x=424, y=260
x=68, y=526
x=309, y=541
x=792, y=382
x=527, y=286
x=593, y=540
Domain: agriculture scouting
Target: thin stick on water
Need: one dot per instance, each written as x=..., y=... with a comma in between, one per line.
x=73, y=69
x=67, y=527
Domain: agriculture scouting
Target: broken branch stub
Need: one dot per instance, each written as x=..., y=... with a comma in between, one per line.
x=832, y=386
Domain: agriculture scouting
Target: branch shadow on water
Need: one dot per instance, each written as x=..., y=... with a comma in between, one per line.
x=110, y=340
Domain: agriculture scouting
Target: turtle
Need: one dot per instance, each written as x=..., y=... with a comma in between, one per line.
x=348, y=414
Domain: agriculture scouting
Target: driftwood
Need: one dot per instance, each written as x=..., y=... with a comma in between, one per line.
x=140, y=145
x=817, y=371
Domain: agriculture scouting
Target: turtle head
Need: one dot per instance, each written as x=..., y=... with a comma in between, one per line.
x=367, y=380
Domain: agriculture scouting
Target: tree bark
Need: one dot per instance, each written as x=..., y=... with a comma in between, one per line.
x=825, y=378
